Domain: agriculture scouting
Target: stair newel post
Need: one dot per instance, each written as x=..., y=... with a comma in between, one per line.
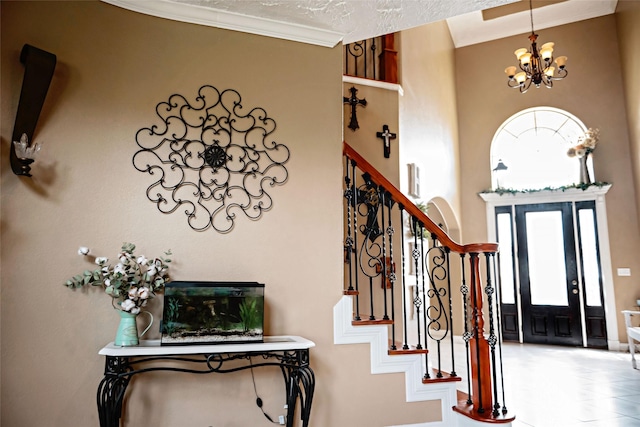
x=405, y=346
x=447, y=252
x=417, y=302
x=354, y=192
x=391, y=274
x=464, y=290
x=423, y=266
x=348, y=244
x=480, y=366
x=490, y=290
x=499, y=326
x=384, y=268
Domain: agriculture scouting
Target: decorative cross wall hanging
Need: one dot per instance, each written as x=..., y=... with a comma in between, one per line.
x=353, y=101
x=386, y=138
x=212, y=158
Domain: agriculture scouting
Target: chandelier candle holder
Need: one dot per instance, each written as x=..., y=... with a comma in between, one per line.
x=535, y=65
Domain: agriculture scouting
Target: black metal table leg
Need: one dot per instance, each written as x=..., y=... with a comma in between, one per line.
x=111, y=391
x=300, y=384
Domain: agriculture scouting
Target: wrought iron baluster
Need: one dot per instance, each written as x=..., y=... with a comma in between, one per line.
x=425, y=296
x=348, y=247
x=499, y=317
x=464, y=290
x=489, y=290
x=374, y=63
x=417, y=302
x=392, y=271
x=447, y=252
x=371, y=251
x=437, y=313
x=405, y=346
x=354, y=191
x=384, y=269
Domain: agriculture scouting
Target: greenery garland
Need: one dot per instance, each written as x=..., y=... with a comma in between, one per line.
x=582, y=187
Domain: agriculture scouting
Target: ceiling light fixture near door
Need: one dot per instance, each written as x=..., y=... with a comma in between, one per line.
x=536, y=66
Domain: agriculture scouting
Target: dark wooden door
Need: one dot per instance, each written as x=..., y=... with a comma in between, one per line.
x=548, y=272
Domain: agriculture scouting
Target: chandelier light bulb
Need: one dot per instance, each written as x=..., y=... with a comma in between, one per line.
x=521, y=77
x=561, y=61
x=520, y=52
x=546, y=51
x=525, y=59
x=549, y=71
x=510, y=71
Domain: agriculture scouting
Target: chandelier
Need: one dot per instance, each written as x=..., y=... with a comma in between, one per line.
x=536, y=66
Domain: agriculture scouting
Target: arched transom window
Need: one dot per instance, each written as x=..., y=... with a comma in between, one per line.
x=529, y=150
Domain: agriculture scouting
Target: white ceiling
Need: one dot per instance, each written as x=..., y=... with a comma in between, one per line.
x=328, y=22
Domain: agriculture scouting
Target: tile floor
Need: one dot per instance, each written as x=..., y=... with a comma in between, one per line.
x=552, y=386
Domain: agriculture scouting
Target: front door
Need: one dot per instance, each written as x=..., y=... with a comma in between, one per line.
x=548, y=272
x=551, y=288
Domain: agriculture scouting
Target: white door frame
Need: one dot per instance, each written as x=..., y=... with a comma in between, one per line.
x=594, y=193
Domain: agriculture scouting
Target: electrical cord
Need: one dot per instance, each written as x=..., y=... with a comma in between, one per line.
x=258, y=400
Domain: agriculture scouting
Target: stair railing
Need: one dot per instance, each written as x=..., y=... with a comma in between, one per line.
x=374, y=59
x=374, y=211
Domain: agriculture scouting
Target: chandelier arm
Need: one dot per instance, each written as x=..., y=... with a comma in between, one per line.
x=561, y=74
x=525, y=85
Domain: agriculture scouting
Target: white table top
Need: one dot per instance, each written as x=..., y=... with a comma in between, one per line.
x=153, y=347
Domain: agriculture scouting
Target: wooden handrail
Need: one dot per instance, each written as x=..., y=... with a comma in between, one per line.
x=412, y=209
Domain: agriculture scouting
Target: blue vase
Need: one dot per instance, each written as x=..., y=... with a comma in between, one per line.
x=127, y=334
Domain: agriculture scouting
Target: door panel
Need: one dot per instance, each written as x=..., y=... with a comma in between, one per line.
x=591, y=275
x=508, y=294
x=548, y=274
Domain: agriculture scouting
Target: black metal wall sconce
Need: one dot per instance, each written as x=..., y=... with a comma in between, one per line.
x=39, y=67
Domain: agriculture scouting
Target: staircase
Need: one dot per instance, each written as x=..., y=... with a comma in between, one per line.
x=399, y=261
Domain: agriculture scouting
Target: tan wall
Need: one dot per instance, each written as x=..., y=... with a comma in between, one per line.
x=428, y=121
x=628, y=21
x=114, y=66
x=593, y=93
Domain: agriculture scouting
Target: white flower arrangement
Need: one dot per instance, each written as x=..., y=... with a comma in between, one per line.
x=586, y=143
x=130, y=283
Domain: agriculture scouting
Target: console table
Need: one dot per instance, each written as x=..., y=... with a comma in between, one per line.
x=290, y=353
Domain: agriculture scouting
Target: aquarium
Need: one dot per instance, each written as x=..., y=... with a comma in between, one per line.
x=212, y=313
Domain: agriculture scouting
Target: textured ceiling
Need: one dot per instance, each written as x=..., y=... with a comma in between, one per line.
x=328, y=22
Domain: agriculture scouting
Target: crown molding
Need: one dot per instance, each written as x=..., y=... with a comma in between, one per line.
x=231, y=21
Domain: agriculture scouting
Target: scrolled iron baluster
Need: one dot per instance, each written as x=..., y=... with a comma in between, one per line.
x=447, y=252
x=356, y=50
x=369, y=196
x=436, y=314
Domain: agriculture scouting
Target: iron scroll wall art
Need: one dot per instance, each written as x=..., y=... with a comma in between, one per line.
x=213, y=157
